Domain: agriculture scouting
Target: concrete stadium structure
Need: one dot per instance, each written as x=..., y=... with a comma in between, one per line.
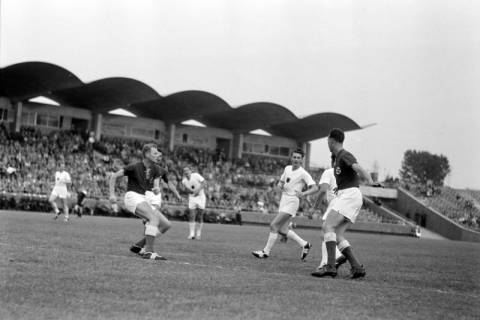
x=86, y=106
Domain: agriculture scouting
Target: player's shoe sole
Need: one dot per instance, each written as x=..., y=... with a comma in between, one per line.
x=153, y=256
x=305, y=250
x=136, y=249
x=260, y=254
x=325, y=271
x=358, y=272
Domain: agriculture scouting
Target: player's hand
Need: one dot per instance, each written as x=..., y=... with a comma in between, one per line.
x=299, y=194
x=156, y=191
x=113, y=199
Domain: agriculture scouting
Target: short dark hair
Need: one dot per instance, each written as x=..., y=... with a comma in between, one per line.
x=147, y=147
x=299, y=151
x=337, y=135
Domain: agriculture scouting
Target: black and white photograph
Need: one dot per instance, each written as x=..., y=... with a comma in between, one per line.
x=239, y=159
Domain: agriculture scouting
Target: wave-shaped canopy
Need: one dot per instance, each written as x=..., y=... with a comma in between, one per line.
x=26, y=80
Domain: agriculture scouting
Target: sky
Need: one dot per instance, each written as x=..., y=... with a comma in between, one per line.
x=411, y=67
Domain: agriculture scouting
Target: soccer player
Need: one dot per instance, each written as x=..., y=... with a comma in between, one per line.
x=142, y=177
x=60, y=191
x=344, y=208
x=292, y=182
x=78, y=208
x=328, y=187
x=195, y=184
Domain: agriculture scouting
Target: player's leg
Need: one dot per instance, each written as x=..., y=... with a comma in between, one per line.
x=357, y=270
x=52, y=200
x=145, y=211
x=277, y=223
x=339, y=258
x=65, y=208
x=192, y=213
x=334, y=219
x=305, y=245
x=198, y=232
x=284, y=230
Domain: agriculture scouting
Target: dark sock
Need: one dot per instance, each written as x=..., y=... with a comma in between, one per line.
x=331, y=245
x=149, y=243
x=348, y=253
x=141, y=243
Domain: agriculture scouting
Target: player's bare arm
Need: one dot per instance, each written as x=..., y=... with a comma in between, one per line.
x=322, y=194
x=172, y=188
x=363, y=174
x=311, y=190
x=113, y=180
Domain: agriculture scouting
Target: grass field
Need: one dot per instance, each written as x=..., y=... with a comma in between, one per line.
x=83, y=270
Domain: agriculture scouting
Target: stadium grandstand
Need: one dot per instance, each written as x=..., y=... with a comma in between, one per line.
x=242, y=167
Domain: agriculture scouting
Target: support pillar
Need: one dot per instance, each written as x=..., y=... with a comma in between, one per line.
x=17, y=119
x=171, y=136
x=237, y=148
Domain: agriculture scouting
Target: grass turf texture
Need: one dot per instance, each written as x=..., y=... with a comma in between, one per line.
x=84, y=270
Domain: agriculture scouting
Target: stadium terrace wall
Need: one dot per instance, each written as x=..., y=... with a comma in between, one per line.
x=407, y=204
x=383, y=228
x=201, y=137
x=133, y=127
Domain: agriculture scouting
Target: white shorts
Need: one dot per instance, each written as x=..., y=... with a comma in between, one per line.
x=197, y=202
x=154, y=200
x=289, y=204
x=348, y=203
x=132, y=200
x=59, y=192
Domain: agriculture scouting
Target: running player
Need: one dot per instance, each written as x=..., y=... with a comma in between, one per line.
x=344, y=208
x=195, y=184
x=292, y=182
x=142, y=177
x=60, y=191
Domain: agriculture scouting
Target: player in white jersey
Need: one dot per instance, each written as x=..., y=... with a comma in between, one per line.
x=292, y=182
x=194, y=184
x=328, y=187
x=60, y=191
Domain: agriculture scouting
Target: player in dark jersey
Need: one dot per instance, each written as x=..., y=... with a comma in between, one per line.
x=144, y=176
x=344, y=208
x=78, y=208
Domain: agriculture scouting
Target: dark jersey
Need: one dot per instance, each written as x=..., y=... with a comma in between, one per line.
x=344, y=174
x=80, y=196
x=140, y=178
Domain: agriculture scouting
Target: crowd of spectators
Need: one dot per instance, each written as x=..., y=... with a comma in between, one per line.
x=30, y=157
x=459, y=205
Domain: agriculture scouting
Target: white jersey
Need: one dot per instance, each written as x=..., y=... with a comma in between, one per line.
x=62, y=178
x=295, y=180
x=194, y=184
x=328, y=177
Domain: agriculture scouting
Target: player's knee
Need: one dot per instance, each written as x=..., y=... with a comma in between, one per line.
x=342, y=244
x=273, y=227
x=330, y=236
x=164, y=226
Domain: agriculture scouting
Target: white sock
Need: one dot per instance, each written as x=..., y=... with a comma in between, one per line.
x=191, y=226
x=272, y=237
x=324, y=254
x=295, y=237
x=338, y=254
x=199, y=229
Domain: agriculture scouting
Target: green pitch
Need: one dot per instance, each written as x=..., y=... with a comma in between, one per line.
x=84, y=270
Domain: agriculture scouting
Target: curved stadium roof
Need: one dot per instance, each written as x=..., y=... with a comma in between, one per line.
x=27, y=80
